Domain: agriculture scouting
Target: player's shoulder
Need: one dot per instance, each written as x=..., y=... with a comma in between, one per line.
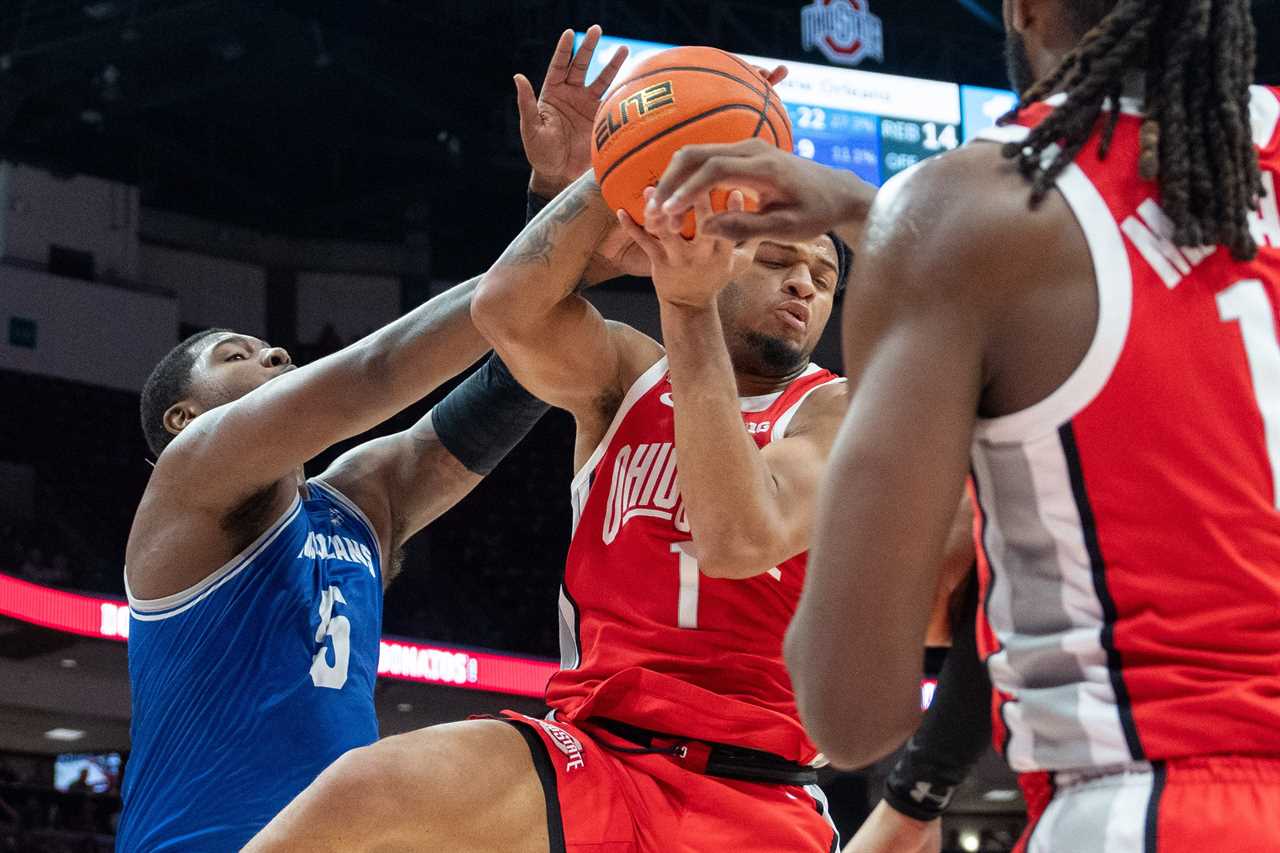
x=957, y=225
x=637, y=352
x=822, y=408
x=970, y=190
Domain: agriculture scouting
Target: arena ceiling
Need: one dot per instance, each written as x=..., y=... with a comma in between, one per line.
x=378, y=119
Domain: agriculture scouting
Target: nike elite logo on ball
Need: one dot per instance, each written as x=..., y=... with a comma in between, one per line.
x=645, y=101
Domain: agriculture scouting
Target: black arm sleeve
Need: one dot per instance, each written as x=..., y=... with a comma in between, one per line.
x=956, y=729
x=482, y=419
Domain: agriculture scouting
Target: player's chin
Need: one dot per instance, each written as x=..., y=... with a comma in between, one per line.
x=786, y=327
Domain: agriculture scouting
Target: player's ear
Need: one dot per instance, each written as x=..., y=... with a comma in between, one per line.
x=1022, y=14
x=179, y=415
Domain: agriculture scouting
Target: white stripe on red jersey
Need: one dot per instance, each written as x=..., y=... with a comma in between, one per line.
x=645, y=638
x=1129, y=522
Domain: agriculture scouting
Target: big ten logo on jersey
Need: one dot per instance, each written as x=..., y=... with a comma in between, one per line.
x=647, y=100
x=644, y=484
x=337, y=548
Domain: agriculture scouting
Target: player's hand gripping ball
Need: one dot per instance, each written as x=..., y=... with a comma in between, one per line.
x=682, y=96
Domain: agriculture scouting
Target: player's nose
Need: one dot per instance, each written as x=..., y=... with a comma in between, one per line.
x=274, y=357
x=799, y=284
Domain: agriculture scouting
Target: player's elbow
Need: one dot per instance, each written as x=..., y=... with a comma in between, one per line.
x=492, y=308
x=848, y=732
x=850, y=724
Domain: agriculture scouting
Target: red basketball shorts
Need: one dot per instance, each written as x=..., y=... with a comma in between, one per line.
x=600, y=800
x=1185, y=805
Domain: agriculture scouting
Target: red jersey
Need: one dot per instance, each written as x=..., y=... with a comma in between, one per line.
x=645, y=638
x=1129, y=523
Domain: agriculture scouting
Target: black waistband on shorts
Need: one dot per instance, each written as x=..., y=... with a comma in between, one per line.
x=724, y=761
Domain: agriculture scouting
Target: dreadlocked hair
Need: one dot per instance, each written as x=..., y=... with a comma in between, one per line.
x=1198, y=58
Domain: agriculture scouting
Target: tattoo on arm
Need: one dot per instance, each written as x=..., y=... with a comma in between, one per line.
x=538, y=240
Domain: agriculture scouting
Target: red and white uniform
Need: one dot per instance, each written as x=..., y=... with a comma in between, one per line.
x=645, y=638
x=1130, y=532
x=648, y=641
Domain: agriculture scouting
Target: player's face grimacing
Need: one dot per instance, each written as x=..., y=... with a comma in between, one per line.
x=229, y=366
x=775, y=311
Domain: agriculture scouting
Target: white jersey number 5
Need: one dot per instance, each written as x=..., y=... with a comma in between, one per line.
x=339, y=628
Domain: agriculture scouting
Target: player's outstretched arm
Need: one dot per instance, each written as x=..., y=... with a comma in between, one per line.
x=916, y=320
x=235, y=450
x=529, y=306
x=799, y=199
x=749, y=510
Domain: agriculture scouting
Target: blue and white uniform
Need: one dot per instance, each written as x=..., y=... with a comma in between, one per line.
x=248, y=684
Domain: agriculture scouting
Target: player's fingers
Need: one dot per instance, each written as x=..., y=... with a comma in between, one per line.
x=777, y=75
x=742, y=168
x=701, y=213
x=745, y=226
x=527, y=104
x=689, y=160
x=582, y=59
x=605, y=78
x=560, y=58
x=737, y=202
x=661, y=227
x=650, y=246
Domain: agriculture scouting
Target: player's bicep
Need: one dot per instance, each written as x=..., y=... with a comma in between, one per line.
x=403, y=482
x=795, y=466
x=574, y=358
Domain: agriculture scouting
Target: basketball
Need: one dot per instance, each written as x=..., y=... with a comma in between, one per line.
x=682, y=96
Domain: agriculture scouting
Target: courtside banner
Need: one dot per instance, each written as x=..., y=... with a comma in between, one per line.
x=402, y=659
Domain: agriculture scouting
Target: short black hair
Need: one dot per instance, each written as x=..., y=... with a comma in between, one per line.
x=844, y=260
x=168, y=383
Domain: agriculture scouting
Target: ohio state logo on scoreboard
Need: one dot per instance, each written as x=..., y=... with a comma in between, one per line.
x=844, y=30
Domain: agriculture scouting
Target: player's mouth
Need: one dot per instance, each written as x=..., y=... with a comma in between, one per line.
x=794, y=314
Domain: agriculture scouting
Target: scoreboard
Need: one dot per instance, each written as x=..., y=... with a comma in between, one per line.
x=875, y=125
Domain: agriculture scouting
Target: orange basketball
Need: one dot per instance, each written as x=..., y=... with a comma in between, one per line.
x=682, y=96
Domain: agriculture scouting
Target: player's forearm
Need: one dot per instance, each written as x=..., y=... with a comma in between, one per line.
x=423, y=349
x=856, y=198
x=543, y=266
x=854, y=648
x=724, y=481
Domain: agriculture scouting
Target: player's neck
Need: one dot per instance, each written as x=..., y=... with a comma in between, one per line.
x=754, y=385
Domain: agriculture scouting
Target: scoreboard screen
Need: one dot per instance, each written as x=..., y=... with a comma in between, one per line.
x=875, y=125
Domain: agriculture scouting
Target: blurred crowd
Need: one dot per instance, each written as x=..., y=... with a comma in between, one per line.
x=37, y=818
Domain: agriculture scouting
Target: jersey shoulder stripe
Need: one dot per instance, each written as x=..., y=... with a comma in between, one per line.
x=154, y=609
x=638, y=389
x=1113, y=276
x=779, y=430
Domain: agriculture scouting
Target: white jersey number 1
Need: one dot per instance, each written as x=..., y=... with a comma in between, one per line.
x=1246, y=303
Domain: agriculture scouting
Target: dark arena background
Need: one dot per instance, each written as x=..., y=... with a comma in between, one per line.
x=306, y=172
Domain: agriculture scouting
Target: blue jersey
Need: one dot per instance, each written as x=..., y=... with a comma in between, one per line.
x=248, y=684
